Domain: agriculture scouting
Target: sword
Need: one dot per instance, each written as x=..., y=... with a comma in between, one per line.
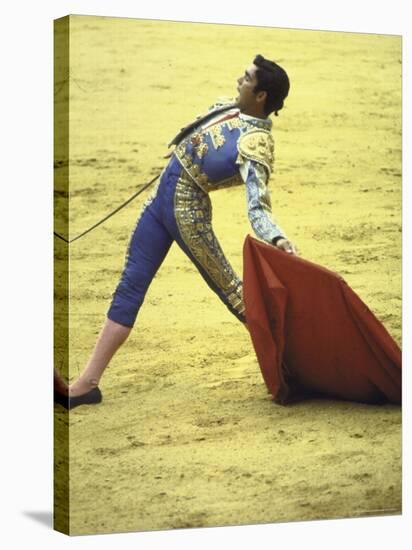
x=145, y=186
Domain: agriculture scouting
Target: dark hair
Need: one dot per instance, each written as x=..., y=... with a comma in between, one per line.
x=273, y=80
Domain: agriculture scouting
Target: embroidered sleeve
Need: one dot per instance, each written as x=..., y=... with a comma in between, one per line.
x=259, y=205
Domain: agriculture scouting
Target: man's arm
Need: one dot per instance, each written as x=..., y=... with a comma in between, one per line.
x=259, y=206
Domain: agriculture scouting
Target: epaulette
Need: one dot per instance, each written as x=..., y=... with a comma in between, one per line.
x=257, y=145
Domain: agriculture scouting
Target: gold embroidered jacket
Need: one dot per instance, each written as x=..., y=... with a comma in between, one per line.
x=231, y=149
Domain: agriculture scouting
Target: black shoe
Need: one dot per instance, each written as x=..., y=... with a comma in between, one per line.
x=61, y=399
x=92, y=397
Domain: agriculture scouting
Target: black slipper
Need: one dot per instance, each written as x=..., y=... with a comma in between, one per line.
x=92, y=397
x=61, y=399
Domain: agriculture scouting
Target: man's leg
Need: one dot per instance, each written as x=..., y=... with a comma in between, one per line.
x=194, y=234
x=111, y=337
x=147, y=249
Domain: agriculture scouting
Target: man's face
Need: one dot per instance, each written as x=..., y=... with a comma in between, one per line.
x=248, y=100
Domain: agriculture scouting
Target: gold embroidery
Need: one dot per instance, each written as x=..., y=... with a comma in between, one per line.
x=199, y=177
x=196, y=138
x=203, y=180
x=193, y=212
x=195, y=171
x=236, y=299
x=234, y=122
x=216, y=135
x=257, y=145
x=201, y=150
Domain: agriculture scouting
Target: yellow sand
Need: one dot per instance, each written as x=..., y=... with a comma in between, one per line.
x=187, y=435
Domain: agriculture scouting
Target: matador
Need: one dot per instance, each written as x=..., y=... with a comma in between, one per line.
x=230, y=145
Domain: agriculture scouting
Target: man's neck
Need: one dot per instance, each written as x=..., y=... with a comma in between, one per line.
x=258, y=113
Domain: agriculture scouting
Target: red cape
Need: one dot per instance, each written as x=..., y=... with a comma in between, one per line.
x=312, y=334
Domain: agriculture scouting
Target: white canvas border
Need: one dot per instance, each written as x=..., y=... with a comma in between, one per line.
x=26, y=275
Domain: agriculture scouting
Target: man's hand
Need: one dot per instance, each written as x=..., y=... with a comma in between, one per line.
x=286, y=245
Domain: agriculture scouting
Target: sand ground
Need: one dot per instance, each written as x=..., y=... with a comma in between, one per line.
x=187, y=435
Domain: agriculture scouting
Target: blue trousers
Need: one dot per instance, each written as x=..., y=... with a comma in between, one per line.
x=178, y=211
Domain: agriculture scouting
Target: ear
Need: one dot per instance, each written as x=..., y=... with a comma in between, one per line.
x=261, y=96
